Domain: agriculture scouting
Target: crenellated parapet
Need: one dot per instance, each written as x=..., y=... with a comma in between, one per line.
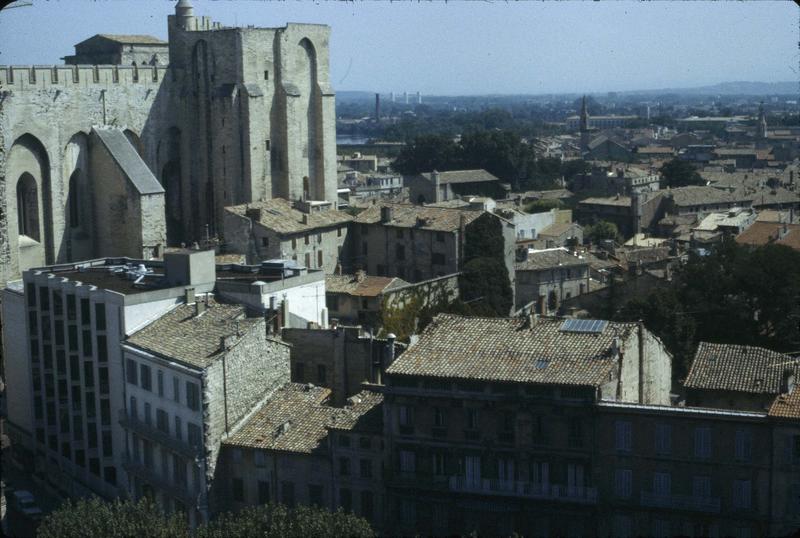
x=21, y=77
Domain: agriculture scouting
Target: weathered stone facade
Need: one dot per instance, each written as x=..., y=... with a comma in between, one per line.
x=239, y=115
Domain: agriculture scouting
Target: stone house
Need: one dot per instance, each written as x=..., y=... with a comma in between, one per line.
x=703, y=200
x=546, y=278
x=358, y=298
x=420, y=243
x=559, y=235
x=435, y=187
x=111, y=49
x=728, y=376
x=191, y=377
x=312, y=234
x=340, y=358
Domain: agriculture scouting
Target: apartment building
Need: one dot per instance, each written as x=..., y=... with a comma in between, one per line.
x=63, y=361
x=191, y=377
x=683, y=471
x=489, y=424
x=297, y=449
x=785, y=500
x=356, y=443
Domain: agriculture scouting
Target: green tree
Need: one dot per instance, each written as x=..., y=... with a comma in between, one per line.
x=678, y=173
x=484, y=277
x=427, y=153
x=602, y=230
x=485, y=287
x=118, y=519
x=540, y=206
x=278, y=521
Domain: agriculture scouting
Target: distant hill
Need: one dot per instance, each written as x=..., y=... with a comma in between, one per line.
x=723, y=88
x=732, y=88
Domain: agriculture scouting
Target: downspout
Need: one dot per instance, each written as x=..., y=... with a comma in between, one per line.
x=640, y=330
x=771, y=477
x=225, y=392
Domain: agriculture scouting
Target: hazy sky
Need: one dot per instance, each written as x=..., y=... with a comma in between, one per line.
x=469, y=47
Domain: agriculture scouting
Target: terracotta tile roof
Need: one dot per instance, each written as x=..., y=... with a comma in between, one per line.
x=194, y=340
x=623, y=201
x=700, y=195
x=296, y=419
x=367, y=286
x=423, y=217
x=738, y=368
x=462, y=176
x=549, y=259
x=506, y=349
x=291, y=421
x=364, y=413
x=279, y=215
x=786, y=405
x=558, y=228
x=133, y=39
x=762, y=233
x=656, y=149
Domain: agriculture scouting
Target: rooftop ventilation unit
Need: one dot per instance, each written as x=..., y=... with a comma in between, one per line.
x=584, y=325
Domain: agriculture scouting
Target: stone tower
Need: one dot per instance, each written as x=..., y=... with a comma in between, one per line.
x=254, y=118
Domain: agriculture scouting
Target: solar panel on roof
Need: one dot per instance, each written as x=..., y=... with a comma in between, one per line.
x=584, y=325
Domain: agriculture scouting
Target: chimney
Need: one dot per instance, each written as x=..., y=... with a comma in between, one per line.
x=788, y=381
x=305, y=218
x=387, y=214
x=189, y=295
x=199, y=308
x=361, y=275
x=532, y=318
x=253, y=213
x=226, y=342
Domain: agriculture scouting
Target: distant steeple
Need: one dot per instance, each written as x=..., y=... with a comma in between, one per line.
x=761, y=129
x=584, y=115
x=584, y=127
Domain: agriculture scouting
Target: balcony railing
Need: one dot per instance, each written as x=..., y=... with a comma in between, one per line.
x=516, y=488
x=154, y=434
x=681, y=502
x=157, y=481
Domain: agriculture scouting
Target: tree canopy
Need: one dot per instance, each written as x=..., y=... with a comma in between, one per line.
x=128, y=519
x=502, y=153
x=117, y=519
x=735, y=295
x=602, y=230
x=678, y=173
